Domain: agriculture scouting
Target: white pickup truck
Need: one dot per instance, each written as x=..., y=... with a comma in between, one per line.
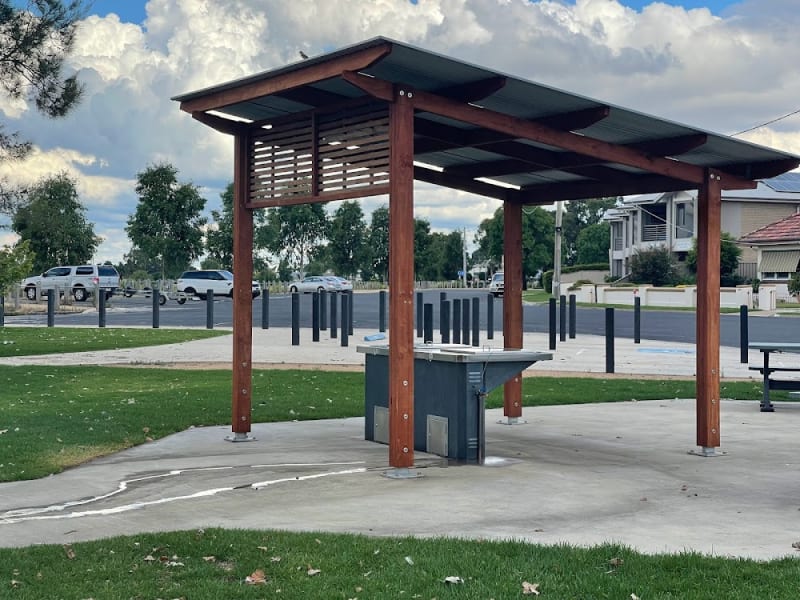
x=81, y=281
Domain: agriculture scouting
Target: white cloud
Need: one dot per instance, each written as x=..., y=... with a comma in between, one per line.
x=724, y=74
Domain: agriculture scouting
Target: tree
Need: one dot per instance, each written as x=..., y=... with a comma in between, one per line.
x=294, y=231
x=444, y=257
x=35, y=40
x=593, y=243
x=579, y=215
x=347, y=238
x=655, y=266
x=729, y=254
x=219, y=236
x=537, y=239
x=52, y=220
x=379, y=242
x=167, y=225
x=15, y=264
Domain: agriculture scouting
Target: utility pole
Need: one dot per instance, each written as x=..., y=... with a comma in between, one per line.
x=557, y=252
x=464, y=257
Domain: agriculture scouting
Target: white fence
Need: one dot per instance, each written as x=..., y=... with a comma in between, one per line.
x=684, y=297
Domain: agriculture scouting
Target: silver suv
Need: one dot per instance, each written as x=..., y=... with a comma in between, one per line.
x=197, y=283
x=80, y=280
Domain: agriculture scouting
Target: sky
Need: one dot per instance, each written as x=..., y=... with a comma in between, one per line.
x=723, y=66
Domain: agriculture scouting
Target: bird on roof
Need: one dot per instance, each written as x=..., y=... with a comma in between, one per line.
x=303, y=55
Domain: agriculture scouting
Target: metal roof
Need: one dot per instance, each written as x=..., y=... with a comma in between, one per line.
x=465, y=156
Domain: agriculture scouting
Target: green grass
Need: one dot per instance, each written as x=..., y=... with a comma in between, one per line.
x=26, y=341
x=52, y=418
x=213, y=563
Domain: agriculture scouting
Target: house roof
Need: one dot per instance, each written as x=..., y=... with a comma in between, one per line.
x=785, y=230
x=573, y=147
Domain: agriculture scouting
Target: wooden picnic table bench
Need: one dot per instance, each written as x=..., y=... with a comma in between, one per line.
x=767, y=348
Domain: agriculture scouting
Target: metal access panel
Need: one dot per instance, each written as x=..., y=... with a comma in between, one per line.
x=381, y=425
x=437, y=435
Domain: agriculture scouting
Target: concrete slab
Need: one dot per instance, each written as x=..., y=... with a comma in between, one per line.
x=579, y=474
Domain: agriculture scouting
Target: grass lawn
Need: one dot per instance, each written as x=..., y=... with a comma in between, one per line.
x=52, y=418
x=215, y=563
x=26, y=341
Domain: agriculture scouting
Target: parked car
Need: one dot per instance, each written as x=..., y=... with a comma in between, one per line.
x=345, y=285
x=315, y=283
x=497, y=284
x=197, y=283
x=79, y=280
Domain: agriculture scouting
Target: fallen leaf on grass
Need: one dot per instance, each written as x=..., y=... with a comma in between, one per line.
x=635, y=597
x=453, y=579
x=257, y=577
x=70, y=552
x=15, y=584
x=530, y=588
x=409, y=560
x=615, y=562
x=312, y=571
x=210, y=558
x=264, y=548
x=149, y=558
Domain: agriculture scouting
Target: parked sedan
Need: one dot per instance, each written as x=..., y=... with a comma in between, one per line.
x=345, y=285
x=314, y=283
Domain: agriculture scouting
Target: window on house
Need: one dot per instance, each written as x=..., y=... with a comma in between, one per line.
x=684, y=220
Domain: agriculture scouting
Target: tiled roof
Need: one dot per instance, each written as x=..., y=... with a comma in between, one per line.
x=785, y=230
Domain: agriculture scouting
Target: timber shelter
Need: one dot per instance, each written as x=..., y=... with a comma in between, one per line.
x=371, y=118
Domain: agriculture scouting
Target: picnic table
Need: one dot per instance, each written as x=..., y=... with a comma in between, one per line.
x=767, y=348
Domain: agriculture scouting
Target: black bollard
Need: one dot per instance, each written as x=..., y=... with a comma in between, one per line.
x=156, y=306
x=637, y=320
x=2, y=310
x=323, y=310
x=465, y=320
x=419, y=314
x=265, y=309
x=445, y=317
x=562, y=318
x=101, y=308
x=382, y=310
x=442, y=322
x=295, y=319
x=609, y=340
x=743, y=335
x=345, y=339
x=427, y=323
x=552, y=323
x=490, y=316
x=315, y=315
x=51, y=308
x=350, y=312
x=476, y=322
x=456, y=321
x=209, y=309
x=573, y=316
x=334, y=325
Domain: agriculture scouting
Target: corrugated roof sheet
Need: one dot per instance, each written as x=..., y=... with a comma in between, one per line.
x=526, y=163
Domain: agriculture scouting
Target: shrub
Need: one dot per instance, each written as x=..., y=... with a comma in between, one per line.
x=656, y=266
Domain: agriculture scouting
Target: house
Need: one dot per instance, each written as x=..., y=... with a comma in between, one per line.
x=670, y=220
x=778, y=252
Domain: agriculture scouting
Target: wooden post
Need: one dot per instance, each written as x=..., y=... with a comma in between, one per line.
x=242, y=293
x=401, y=282
x=708, y=265
x=512, y=302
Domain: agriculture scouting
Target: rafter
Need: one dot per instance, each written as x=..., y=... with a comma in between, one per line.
x=495, y=121
x=474, y=90
x=288, y=79
x=219, y=124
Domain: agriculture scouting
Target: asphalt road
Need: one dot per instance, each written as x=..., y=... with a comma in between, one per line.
x=676, y=326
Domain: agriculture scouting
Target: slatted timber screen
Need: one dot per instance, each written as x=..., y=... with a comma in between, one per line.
x=315, y=155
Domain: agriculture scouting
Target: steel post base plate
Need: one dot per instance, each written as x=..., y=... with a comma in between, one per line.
x=402, y=473
x=240, y=437
x=706, y=452
x=512, y=421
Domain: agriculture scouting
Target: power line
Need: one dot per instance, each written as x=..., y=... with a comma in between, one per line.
x=786, y=116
